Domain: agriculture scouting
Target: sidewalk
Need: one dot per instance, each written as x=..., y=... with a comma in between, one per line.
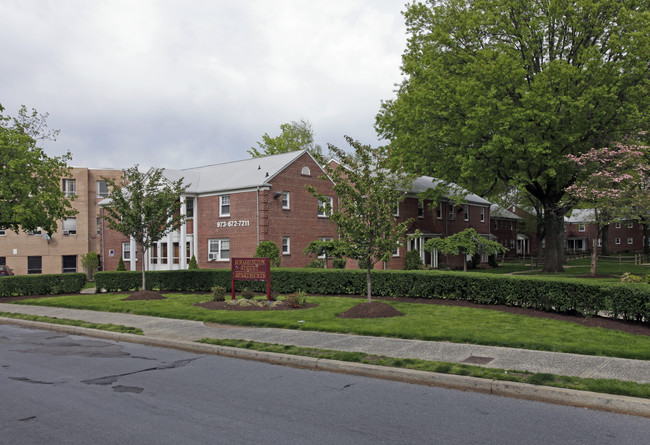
x=180, y=333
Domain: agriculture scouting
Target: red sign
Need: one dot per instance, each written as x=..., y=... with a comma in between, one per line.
x=251, y=269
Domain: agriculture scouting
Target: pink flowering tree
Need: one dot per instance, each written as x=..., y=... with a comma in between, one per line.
x=615, y=183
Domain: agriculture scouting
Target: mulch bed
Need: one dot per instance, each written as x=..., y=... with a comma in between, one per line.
x=374, y=309
x=225, y=306
x=145, y=295
x=631, y=327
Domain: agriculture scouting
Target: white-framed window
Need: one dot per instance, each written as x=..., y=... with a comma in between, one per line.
x=420, y=208
x=396, y=252
x=286, y=203
x=512, y=244
x=286, y=245
x=102, y=189
x=69, y=226
x=582, y=228
x=324, y=238
x=396, y=209
x=482, y=214
x=452, y=212
x=305, y=171
x=600, y=242
x=630, y=225
x=439, y=216
x=126, y=252
x=189, y=208
x=69, y=187
x=224, y=205
x=219, y=249
x=38, y=231
x=164, y=250
x=466, y=213
x=154, y=254
x=617, y=225
x=630, y=240
x=618, y=241
x=322, y=206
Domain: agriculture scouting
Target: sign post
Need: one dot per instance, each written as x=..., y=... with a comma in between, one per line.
x=251, y=269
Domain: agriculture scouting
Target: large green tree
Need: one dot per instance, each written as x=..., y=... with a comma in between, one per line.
x=294, y=136
x=502, y=90
x=367, y=194
x=31, y=193
x=146, y=208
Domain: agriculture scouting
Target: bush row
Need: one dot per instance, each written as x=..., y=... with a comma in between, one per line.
x=18, y=285
x=565, y=296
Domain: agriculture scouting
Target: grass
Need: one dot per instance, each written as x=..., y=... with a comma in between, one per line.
x=421, y=321
x=83, y=324
x=618, y=387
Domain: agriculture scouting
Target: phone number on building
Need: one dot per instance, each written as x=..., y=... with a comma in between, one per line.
x=241, y=223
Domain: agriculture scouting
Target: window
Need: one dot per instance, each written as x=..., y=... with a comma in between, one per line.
x=99, y=226
x=324, y=238
x=630, y=225
x=618, y=225
x=496, y=224
x=396, y=209
x=325, y=206
x=69, y=226
x=154, y=254
x=512, y=244
x=69, y=187
x=618, y=241
x=102, y=189
x=3, y=261
x=126, y=252
x=452, y=214
x=163, y=253
x=286, y=245
x=219, y=249
x=3, y=232
x=34, y=264
x=482, y=214
x=439, y=210
x=285, y=200
x=38, y=231
x=396, y=252
x=224, y=205
x=630, y=240
x=420, y=208
x=466, y=213
x=189, y=208
x=176, y=251
x=69, y=263
x=305, y=171
x=581, y=228
x=600, y=242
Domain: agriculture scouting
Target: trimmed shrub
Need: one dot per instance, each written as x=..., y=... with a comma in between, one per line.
x=316, y=264
x=339, y=263
x=268, y=249
x=193, y=265
x=51, y=284
x=219, y=293
x=412, y=260
x=120, y=266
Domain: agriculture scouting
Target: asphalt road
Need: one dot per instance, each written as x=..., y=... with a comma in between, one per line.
x=64, y=389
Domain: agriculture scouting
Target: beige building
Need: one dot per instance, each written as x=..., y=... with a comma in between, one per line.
x=35, y=252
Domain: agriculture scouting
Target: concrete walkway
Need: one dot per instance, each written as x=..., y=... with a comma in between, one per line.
x=167, y=332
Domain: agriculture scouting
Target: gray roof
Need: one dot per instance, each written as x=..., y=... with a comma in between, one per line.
x=424, y=183
x=496, y=211
x=580, y=216
x=237, y=175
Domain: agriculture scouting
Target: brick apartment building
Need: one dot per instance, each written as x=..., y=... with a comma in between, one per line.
x=581, y=234
x=37, y=252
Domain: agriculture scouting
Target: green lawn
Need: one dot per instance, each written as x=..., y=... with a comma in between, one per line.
x=421, y=321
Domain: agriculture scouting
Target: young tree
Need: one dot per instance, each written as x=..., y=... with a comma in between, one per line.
x=270, y=250
x=295, y=136
x=327, y=249
x=368, y=193
x=31, y=195
x=90, y=262
x=146, y=208
x=467, y=242
x=615, y=183
x=502, y=90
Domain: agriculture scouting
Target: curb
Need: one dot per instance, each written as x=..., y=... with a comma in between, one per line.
x=558, y=396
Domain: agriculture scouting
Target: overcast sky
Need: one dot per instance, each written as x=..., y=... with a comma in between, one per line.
x=185, y=83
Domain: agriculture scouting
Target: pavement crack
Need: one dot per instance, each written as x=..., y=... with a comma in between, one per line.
x=36, y=382
x=110, y=379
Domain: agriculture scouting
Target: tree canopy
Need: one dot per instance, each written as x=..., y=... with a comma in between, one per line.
x=294, y=136
x=503, y=90
x=146, y=208
x=31, y=193
x=467, y=242
x=367, y=194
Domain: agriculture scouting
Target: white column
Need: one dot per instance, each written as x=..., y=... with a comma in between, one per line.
x=134, y=254
x=195, y=228
x=170, y=252
x=182, y=247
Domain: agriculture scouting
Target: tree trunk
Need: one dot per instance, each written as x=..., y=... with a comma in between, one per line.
x=554, y=230
x=368, y=283
x=594, y=257
x=144, y=280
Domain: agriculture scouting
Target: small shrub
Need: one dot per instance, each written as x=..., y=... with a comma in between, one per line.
x=120, y=266
x=218, y=293
x=247, y=294
x=193, y=265
x=316, y=264
x=296, y=300
x=268, y=249
x=412, y=260
x=90, y=262
x=627, y=277
x=274, y=296
x=339, y=263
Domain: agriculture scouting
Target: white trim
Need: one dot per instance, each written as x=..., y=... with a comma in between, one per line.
x=288, y=245
x=288, y=195
x=222, y=198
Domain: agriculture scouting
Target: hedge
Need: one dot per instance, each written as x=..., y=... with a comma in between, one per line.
x=631, y=302
x=18, y=285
